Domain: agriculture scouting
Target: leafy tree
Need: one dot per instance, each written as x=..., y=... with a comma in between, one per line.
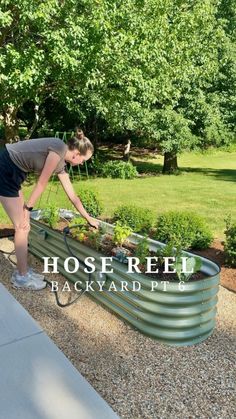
x=39, y=50
x=159, y=72
x=163, y=69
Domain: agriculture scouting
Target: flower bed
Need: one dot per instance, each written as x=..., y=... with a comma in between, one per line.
x=173, y=312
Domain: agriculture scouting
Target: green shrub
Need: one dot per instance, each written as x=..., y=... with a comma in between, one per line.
x=139, y=219
x=121, y=233
x=95, y=166
x=230, y=243
x=119, y=169
x=193, y=263
x=90, y=202
x=189, y=230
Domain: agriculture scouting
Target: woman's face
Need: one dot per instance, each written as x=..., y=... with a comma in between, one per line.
x=78, y=158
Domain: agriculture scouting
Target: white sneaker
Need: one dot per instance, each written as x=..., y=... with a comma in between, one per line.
x=27, y=282
x=34, y=275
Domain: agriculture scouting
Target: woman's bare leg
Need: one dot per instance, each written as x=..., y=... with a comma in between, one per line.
x=15, y=211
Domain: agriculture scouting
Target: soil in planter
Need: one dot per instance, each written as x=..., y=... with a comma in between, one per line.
x=161, y=276
x=107, y=245
x=214, y=253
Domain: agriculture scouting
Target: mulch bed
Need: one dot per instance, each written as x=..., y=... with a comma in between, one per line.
x=216, y=254
x=6, y=230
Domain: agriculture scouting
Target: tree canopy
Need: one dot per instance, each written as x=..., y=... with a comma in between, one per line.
x=162, y=69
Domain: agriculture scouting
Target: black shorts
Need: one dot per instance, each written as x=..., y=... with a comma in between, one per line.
x=11, y=176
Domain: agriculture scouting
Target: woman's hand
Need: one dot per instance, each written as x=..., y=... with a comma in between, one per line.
x=26, y=219
x=93, y=223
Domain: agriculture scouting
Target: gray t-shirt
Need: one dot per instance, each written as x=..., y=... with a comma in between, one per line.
x=30, y=155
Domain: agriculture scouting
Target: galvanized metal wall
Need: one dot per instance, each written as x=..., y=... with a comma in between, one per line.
x=172, y=316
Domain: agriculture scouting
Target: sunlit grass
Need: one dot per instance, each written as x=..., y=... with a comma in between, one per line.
x=206, y=185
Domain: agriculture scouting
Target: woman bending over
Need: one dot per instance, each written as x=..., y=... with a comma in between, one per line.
x=44, y=156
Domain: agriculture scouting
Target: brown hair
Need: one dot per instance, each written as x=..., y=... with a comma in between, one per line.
x=80, y=143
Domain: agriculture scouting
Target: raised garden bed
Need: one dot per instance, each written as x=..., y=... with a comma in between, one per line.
x=174, y=313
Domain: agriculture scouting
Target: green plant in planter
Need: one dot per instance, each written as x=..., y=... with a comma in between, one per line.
x=78, y=222
x=51, y=216
x=94, y=239
x=103, y=229
x=230, y=243
x=193, y=265
x=78, y=228
x=142, y=250
x=174, y=249
x=121, y=233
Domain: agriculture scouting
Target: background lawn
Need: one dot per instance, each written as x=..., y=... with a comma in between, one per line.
x=206, y=185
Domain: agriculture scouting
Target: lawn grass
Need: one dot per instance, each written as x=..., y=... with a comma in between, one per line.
x=206, y=185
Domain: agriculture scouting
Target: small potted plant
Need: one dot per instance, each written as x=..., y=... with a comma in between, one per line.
x=121, y=233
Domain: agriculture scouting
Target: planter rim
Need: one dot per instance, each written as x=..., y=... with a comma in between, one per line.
x=152, y=241
x=35, y=215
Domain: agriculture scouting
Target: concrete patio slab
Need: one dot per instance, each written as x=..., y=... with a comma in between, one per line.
x=15, y=321
x=37, y=381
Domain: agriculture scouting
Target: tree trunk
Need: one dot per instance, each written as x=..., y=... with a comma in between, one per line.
x=35, y=123
x=11, y=124
x=126, y=152
x=170, y=163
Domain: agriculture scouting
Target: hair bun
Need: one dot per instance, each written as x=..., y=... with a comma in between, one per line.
x=79, y=134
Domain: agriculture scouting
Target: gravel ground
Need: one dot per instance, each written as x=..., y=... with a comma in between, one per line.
x=139, y=377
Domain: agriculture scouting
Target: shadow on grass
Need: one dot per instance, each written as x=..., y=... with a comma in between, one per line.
x=147, y=168
x=219, y=174
x=114, y=152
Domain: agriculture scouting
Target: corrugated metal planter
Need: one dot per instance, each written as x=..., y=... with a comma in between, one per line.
x=173, y=314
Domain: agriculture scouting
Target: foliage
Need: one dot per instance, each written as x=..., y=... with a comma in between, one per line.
x=137, y=218
x=121, y=233
x=81, y=231
x=173, y=249
x=79, y=222
x=94, y=239
x=230, y=242
x=193, y=265
x=90, y=202
x=189, y=229
x=78, y=227
x=119, y=169
x=39, y=50
x=162, y=70
x=142, y=250
x=95, y=165
x=51, y=215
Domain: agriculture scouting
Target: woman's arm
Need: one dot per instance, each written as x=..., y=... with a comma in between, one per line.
x=69, y=190
x=50, y=165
